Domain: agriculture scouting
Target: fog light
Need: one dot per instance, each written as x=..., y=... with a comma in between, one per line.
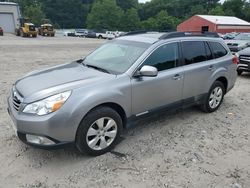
x=41, y=140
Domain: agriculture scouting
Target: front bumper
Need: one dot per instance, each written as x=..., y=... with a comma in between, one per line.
x=49, y=32
x=244, y=67
x=55, y=127
x=31, y=33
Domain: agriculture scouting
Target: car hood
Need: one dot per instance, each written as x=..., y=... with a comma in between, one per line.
x=59, y=78
x=246, y=51
x=239, y=42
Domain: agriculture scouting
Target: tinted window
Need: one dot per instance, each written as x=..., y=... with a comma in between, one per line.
x=208, y=51
x=194, y=52
x=218, y=49
x=165, y=57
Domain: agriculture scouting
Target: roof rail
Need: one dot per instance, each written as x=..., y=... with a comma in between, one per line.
x=139, y=32
x=189, y=34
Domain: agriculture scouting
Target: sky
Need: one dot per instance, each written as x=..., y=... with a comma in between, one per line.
x=143, y=1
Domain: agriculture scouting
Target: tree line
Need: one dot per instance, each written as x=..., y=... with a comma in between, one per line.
x=127, y=15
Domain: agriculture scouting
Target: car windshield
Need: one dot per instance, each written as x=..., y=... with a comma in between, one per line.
x=243, y=36
x=116, y=56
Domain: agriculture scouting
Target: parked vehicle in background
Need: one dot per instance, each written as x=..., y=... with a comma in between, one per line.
x=68, y=33
x=26, y=28
x=1, y=31
x=118, y=33
x=240, y=42
x=230, y=36
x=124, y=79
x=81, y=32
x=105, y=35
x=244, y=61
x=90, y=34
x=46, y=30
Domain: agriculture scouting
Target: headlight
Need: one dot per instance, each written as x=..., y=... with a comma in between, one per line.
x=47, y=105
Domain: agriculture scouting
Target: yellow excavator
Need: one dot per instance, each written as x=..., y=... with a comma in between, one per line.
x=26, y=28
x=46, y=29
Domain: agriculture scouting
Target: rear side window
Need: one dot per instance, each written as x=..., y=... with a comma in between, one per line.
x=194, y=52
x=218, y=49
x=165, y=57
x=208, y=51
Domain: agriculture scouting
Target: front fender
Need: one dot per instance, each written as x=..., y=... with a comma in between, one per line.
x=88, y=99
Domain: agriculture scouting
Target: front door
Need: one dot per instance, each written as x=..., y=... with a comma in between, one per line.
x=149, y=93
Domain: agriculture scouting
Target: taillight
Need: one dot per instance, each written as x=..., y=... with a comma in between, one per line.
x=235, y=60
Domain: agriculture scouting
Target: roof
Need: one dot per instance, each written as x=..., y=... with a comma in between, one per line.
x=46, y=24
x=224, y=20
x=8, y=3
x=146, y=37
x=152, y=37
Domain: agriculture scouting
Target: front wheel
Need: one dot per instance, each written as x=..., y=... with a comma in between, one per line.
x=99, y=131
x=214, y=98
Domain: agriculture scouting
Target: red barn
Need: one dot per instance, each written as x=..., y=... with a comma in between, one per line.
x=219, y=24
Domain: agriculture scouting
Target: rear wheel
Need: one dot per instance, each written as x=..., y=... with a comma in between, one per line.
x=214, y=98
x=239, y=72
x=99, y=131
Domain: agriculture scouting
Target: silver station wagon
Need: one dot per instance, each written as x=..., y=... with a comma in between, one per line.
x=90, y=101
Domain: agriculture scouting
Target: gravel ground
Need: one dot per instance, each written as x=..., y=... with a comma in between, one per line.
x=187, y=148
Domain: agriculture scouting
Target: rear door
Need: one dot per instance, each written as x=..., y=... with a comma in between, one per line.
x=198, y=65
x=149, y=93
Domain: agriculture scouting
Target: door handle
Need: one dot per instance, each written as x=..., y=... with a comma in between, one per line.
x=211, y=68
x=177, y=77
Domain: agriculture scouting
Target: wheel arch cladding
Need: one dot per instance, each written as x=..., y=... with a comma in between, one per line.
x=224, y=81
x=115, y=107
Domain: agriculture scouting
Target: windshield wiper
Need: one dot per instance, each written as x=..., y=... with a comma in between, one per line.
x=97, y=68
x=80, y=61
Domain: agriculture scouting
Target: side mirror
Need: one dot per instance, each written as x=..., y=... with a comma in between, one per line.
x=148, y=71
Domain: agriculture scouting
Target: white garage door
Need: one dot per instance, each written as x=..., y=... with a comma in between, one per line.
x=7, y=22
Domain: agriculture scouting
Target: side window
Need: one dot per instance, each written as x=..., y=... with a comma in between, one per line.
x=208, y=51
x=194, y=52
x=165, y=57
x=218, y=49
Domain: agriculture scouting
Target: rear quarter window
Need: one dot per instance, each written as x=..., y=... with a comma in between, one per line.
x=217, y=49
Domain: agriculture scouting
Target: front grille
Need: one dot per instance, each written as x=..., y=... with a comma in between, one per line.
x=16, y=100
x=32, y=28
x=244, y=59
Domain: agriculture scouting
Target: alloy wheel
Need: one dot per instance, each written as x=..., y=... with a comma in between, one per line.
x=215, y=97
x=101, y=133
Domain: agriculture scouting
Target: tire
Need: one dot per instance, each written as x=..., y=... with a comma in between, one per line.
x=92, y=137
x=214, y=99
x=22, y=34
x=100, y=37
x=239, y=72
x=17, y=32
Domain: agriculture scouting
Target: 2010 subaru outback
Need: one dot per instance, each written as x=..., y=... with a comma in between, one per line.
x=89, y=101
